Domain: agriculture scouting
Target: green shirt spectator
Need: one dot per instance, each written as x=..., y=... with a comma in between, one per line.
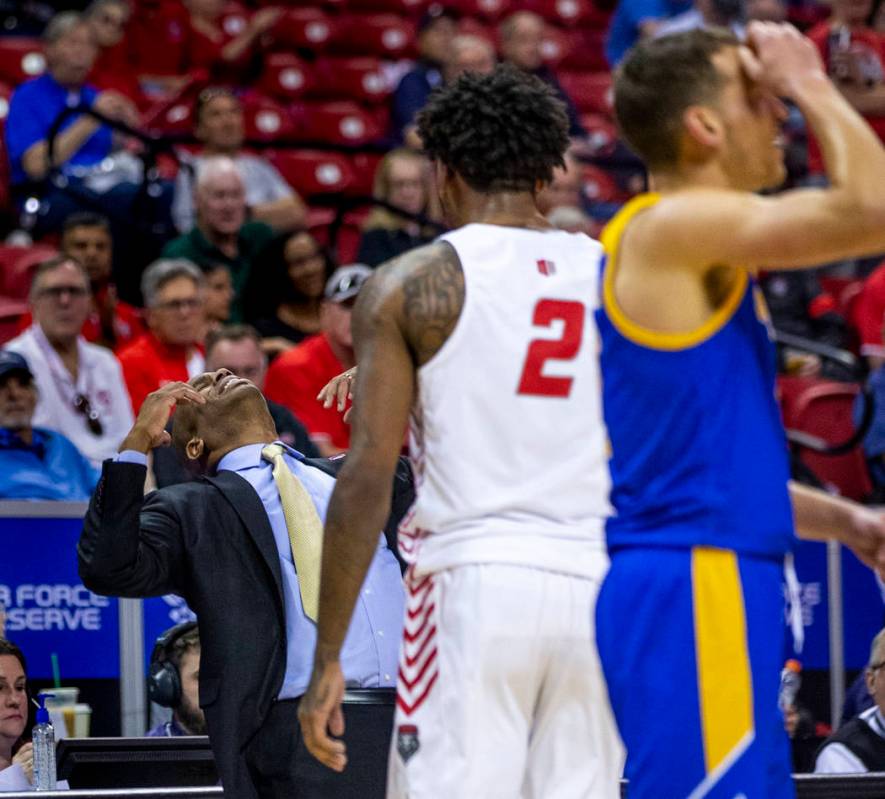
x=222, y=235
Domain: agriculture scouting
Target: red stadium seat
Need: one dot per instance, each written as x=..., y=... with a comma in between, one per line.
x=336, y=123
x=156, y=35
x=267, y=120
x=585, y=51
x=174, y=114
x=602, y=134
x=18, y=265
x=311, y=172
x=591, y=92
x=351, y=79
x=825, y=409
x=554, y=46
x=309, y=28
x=364, y=167
x=491, y=10
x=11, y=312
x=5, y=96
x=409, y=7
x=474, y=27
x=562, y=12
x=285, y=76
x=20, y=59
x=235, y=18
x=382, y=35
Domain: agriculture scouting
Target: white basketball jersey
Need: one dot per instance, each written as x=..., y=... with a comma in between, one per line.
x=507, y=439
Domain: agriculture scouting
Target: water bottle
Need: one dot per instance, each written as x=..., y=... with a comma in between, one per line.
x=791, y=679
x=43, y=738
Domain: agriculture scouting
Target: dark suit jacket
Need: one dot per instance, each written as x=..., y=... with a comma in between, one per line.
x=211, y=542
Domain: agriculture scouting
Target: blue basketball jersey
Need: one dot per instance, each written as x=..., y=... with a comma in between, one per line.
x=698, y=451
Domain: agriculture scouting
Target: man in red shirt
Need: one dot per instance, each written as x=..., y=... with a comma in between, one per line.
x=173, y=295
x=854, y=55
x=296, y=377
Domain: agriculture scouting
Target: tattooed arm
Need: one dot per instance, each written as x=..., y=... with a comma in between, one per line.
x=405, y=313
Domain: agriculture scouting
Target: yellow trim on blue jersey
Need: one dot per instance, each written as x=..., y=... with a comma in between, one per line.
x=725, y=688
x=643, y=336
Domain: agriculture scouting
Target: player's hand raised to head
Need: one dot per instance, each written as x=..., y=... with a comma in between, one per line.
x=780, y=58
x=338, y=390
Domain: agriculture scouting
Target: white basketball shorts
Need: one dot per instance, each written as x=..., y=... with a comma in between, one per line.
x=500, y=692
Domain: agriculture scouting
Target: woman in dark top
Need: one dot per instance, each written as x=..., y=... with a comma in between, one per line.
x=284, y=305
x=402, y=180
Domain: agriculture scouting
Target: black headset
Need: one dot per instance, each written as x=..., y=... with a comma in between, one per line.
x=164, y=680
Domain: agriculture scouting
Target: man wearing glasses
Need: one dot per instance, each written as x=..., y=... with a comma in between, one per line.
x=858, y=746
x=80, y=385
x=173, y=292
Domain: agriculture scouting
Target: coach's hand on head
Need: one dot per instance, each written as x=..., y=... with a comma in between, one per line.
x=149, y=430
x=320, y=713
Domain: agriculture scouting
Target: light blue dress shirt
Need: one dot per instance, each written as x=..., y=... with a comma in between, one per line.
x=370, y=655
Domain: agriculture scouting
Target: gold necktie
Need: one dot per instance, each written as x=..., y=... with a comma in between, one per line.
x=304, y=526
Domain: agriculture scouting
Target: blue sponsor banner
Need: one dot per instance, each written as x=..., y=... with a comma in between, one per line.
x=863, y=607
x=47, y=609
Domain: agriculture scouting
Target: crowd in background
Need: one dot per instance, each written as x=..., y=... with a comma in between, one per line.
x=222, y=263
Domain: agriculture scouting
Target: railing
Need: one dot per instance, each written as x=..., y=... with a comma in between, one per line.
x=808, y=786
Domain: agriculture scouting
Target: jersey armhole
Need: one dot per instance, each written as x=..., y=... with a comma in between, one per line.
x=644, y=336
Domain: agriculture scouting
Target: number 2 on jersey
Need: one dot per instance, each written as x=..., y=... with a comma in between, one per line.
x=564, y=348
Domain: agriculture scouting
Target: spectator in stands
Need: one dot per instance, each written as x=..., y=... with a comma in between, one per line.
x=564, y=191
x=521, y=36
x=86, y=237
x=224, y=53
x=236, y=348
x=286, y=301
x=112, y=323
x=469, y=53
x=858, y=746
x=217, y=299
x=729, y=14
x=35, y=463
x=436, y=29
x=869, y=315
x=403, y=180
x=220, y=127
x=297, y=376
x=187, y=715
x=221, y=234
x=173, y=291
x=13, y=714
x=638, y=19
x=84, y=146
x=854, y=54
x=113, y=68
x=81, y=392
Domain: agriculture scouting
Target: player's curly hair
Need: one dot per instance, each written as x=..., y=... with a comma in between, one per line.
x=500, y=132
